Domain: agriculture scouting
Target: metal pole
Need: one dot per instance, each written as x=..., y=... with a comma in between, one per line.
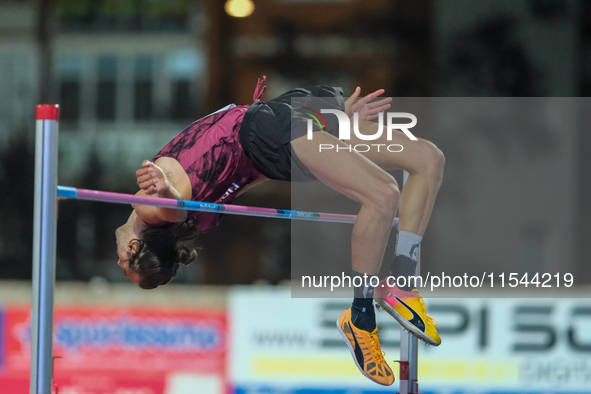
x=409, y=346
x=413, y=350
x=46, y=131
x=403, y=377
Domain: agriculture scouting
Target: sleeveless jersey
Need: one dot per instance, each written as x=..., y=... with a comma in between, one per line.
x=210, y=152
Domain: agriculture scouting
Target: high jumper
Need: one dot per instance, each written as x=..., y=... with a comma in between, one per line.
x=223, y=154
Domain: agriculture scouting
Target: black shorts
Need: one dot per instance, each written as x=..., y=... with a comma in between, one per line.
x=269, y=127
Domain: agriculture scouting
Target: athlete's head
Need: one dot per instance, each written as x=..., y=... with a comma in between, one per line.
x=155, y=256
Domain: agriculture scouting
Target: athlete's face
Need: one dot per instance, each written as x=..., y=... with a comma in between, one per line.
x=123, y=262
x=125, y=247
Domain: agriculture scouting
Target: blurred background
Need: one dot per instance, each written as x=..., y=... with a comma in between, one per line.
x=130, y=74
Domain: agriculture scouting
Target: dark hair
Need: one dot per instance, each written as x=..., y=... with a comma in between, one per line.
x=162, y=250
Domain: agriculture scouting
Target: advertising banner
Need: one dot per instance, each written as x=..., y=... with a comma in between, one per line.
x=285, y=345
x=123, y=350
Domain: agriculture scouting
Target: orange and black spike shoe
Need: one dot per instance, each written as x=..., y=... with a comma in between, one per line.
x=365, y=349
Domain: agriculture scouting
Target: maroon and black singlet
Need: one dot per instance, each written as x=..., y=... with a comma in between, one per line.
x=224, y=152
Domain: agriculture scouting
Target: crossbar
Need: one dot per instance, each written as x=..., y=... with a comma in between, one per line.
x=121, y=198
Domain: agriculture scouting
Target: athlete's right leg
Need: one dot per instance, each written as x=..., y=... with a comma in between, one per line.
x=361, y=180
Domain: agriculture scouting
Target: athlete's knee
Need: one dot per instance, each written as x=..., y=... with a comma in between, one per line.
x=385, y=196
x=389, y=190
x=432, y=160
x=436, y=160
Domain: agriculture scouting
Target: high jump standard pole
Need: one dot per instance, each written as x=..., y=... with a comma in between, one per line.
x=44, y=236
x=409, y=347
x=46, y=131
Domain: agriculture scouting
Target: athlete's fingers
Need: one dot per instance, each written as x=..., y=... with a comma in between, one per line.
x=377, y=110
x=379, y=103
x=145, y=178
x=364, y=100
x=361, y=105
x=145, y=175
x=151, y=167
x=151, y=181
x=150, y=190
x=151, y=178
x=158, y=187
x=142, y=176
x=145, y=185
x=144, y=171
x=358, y=105
x=371, y=110
x=350, y=102
x=377, y=93
x=148, y=165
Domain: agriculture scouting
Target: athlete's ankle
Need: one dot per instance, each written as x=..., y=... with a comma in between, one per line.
x=407, y=244
x=363, y=315
x=404, y=264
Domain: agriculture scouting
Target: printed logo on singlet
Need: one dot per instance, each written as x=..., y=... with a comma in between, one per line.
x=230, y=190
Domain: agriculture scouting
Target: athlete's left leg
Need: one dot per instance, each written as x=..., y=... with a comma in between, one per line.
x=424, y=162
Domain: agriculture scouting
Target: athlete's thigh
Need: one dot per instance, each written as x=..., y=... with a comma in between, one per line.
x=349, y=173
x=399, y=152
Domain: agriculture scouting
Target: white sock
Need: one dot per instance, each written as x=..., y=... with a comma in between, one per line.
x=407, y=244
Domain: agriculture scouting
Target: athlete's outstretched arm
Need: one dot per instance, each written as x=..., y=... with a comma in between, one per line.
x=164, y=178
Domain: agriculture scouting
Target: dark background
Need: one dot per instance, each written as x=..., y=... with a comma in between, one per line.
x=130, y=74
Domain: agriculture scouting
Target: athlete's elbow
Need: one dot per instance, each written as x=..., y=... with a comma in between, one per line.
x=177, y=216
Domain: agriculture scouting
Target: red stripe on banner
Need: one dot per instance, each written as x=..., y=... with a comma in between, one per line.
x=48, y=112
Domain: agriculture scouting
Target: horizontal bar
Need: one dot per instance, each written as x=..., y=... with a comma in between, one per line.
x=120, y=198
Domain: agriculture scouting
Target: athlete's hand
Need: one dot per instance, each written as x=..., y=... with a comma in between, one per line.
x=365, y=107
x=151, y=178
